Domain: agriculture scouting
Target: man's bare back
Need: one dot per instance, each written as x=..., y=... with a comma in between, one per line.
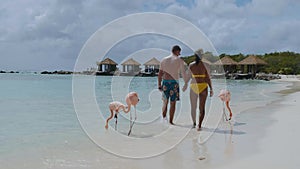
x=171, y=66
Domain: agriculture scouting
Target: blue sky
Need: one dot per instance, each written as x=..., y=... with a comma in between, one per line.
x=242, y=2
x=49, y=34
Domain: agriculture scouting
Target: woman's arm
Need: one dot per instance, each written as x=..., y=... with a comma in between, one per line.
x=208, y=81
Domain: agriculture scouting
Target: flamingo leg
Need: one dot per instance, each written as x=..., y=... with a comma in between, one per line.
x=110, y=117
x=131, y=124
x=227, y=105
x=135, y=113
x=224, y=113
x=130, y=119
x=116, y=122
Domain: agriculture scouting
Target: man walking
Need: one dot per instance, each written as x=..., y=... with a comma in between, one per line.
x=168, y=83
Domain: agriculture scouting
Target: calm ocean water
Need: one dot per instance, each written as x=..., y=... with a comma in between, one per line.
x=37, y=112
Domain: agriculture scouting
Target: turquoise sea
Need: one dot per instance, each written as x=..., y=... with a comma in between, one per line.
x=39, y=122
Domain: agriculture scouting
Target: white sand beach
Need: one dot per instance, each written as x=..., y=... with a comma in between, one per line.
x=279, y=146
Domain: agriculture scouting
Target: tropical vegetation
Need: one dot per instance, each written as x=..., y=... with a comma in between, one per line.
x=278, y=62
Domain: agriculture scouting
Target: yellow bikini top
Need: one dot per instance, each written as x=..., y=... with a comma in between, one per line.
x=194, y=76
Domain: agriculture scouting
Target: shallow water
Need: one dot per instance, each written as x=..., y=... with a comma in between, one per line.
x=37, y=111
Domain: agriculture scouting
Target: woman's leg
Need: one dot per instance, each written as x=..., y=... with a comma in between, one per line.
x=202, y=100
x=193, y=102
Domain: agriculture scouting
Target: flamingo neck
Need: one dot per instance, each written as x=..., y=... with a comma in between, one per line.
x=128, y=109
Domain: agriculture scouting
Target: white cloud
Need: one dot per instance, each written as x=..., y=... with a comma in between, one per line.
x=277, y=38
x=49, y=34
x=268, y=7
x=219, y=20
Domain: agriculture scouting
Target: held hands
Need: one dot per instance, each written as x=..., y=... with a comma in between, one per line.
x=184, y=87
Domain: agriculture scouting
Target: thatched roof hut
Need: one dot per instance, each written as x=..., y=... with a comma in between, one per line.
x=131, y=66
x=253, y=64
x=131, y=62
x=152, y=65
x=152, y=62
x=107, y=61
x=226, y=60
x=252, y=60
x=225, y=64
x=107, y=65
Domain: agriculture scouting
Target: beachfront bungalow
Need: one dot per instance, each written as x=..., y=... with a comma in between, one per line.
x=106, y=67
x=224, y=66
x=151, y=67
x=131, y=67
x=251, y=65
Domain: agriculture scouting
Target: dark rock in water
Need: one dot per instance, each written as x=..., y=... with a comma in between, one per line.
x=267, y=77
x=62, y=72
x=46, y=72
x=2, y=71
x=13, y=72
x=201, y=158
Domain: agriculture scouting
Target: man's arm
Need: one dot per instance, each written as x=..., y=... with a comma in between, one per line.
x=185, y=75
x=183, y=72
x=188, y=78
x=160, y=75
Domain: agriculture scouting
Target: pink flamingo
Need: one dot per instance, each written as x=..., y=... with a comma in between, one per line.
x=115, y=106
x=225, y=97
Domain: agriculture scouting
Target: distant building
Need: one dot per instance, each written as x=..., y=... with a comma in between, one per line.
x=226, y=65
x=106, y=67
x=251, y=65
x=131, y=67
x=152, y=66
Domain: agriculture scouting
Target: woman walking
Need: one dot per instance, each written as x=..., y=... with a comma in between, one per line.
x=198, y=87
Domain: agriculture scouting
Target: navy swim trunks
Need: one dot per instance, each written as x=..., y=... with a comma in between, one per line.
x=170, y=90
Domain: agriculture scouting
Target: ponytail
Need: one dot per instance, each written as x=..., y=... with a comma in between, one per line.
x=197, y=59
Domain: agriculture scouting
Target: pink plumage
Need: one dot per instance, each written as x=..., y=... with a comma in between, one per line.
x=224, y=95
x=116, y=106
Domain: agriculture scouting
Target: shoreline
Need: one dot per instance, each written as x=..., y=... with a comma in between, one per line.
x=275, y=111
x=293, y=88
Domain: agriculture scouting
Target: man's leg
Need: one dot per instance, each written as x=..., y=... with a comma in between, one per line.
x=172, y=111
x=165, y=108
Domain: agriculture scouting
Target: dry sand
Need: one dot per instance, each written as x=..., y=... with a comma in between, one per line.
x=279, y=147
